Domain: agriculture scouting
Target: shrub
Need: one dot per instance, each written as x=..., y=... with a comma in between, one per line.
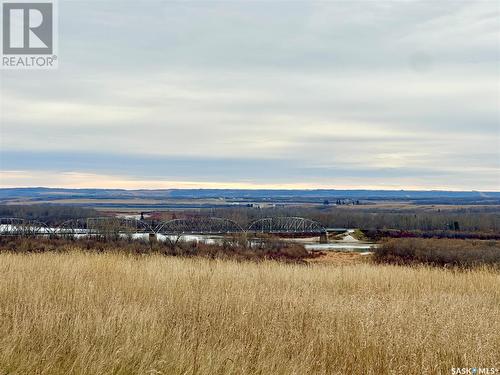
x=236, y=247
x=441, y=252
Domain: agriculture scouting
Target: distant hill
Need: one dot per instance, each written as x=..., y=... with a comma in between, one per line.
x=40, y=193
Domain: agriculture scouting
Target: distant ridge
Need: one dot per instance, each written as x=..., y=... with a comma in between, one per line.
x=58, y=193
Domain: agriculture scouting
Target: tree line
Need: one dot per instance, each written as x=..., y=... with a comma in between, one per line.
x=48, y=214
x=468, y=220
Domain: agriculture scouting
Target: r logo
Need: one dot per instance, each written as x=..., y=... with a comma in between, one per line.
x=27, y=28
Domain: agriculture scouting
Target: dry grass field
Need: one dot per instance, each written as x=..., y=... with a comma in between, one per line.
x=77, y=313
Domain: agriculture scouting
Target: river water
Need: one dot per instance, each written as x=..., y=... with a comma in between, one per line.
x=309, y=244
x=348, y=244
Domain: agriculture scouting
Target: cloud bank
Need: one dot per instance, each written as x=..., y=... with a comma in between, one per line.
x=285, y=94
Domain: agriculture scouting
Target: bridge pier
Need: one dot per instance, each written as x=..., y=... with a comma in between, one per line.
x=323, y=237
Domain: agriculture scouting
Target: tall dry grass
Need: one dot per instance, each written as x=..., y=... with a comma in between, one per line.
x=77, y=313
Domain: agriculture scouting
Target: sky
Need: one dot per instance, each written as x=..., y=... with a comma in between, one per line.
x=150, y=94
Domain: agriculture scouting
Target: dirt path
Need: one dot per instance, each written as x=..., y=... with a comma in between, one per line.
x=339, y=258
x=349, y=238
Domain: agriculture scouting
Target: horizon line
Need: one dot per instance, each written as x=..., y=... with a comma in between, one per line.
x=257, y=188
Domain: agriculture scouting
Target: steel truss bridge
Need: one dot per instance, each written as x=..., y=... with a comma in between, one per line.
x=281, y=225
x=202, y=225
x=116, y=227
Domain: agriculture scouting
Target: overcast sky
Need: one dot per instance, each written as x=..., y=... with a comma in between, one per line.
x=153, y=94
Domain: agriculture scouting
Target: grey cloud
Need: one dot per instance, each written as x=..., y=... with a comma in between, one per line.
x=349, y=89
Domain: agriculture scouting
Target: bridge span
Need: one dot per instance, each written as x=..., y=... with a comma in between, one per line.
x=202, y=225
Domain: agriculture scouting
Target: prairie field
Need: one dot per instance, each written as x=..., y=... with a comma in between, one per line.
x=87, y=313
